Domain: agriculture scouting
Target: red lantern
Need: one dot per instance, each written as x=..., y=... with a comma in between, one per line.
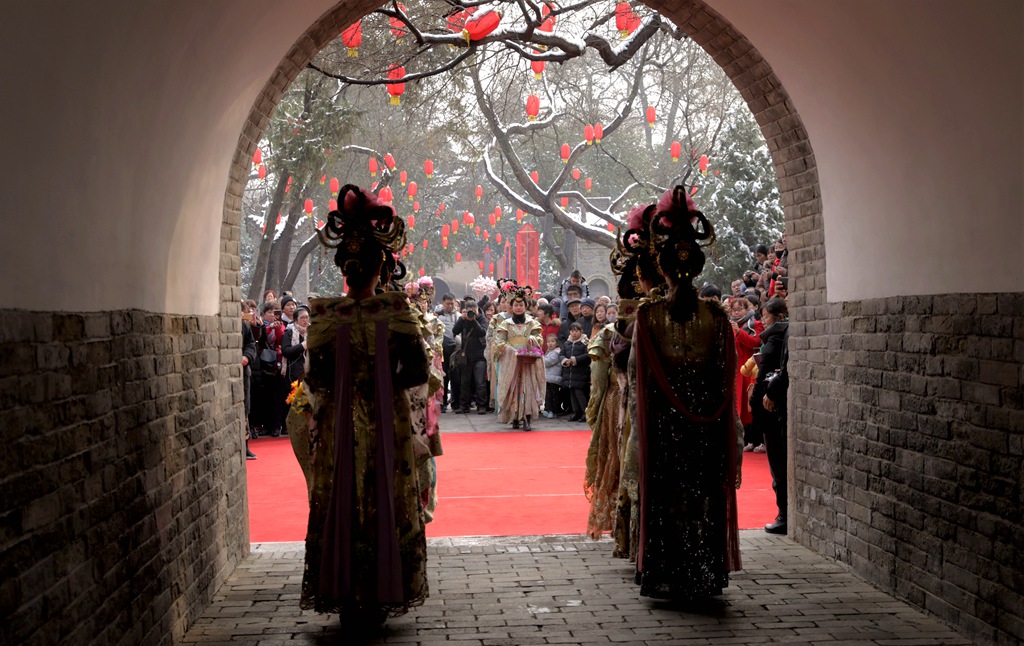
x=492, y=220
x=480, y=264
x=257, y=157
x=497, y=212
x=455, y=226
x=479, y=192
x=497, y=238
x=676, y=150
x=261, y=172
x=535, y=176
x=319, y=224
x=373, y=166
x=566, y=151
x=332, y=204
x=565, y=202
x=353, y=38
x=481, y=27
x=410, y=247
x=588, y=184
x=487, y=248
x=651, y=114
x=703, y=164
x=588, y=133
x=598, y=132
x=532, y=107
x=444, y=242
x=416, y=206
x=288, y=185
x=576, y=174
x=397, y=26
x=396, y=73
x=622, y=13
x=611, y=227
x=413, y=189
x=487, y=235
x=468, y=219
x=323, y=178
x=389, y=161
x=538, y=69
x=445, y=230
x=549, y=24
x=477, y=230
x=308, y=206
x=278, y=221
x=458, y=257
x=335, y=185
x=490, y=268
x=693, y=191
x=520, y=214
x=425, y=242
x=423, y=272
x=386, y=195
x=403, y=177
x=411, y=221
x=428, y=168
x=441, y=207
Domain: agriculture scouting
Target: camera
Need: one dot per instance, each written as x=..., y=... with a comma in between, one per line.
x=471, y=314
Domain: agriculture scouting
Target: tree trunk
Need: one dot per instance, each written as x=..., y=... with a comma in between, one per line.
x=256, y=289
x=307, y=248
x=278, y=264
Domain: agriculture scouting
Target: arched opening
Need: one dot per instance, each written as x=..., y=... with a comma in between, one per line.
x=763, y=92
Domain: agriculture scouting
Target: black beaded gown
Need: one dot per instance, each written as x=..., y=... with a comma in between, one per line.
x=688, y=451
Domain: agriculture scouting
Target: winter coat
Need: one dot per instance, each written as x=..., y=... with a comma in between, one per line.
x=577, y=376
x=586, y=323
x=563, y=289
x=553, y=366
x=774, y=342
x=248, y=349
x=294, y=354
x=473, y=336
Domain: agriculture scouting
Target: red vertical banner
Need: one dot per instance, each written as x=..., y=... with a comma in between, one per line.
x=528, y=256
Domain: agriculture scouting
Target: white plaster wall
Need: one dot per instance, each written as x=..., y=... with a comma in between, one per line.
x=120, y=120
x=915, y=111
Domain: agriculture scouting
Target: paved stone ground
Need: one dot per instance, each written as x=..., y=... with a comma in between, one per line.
x=568, y=590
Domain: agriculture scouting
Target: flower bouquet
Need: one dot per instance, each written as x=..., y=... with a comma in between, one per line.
x=484, y=285
x=529, y=354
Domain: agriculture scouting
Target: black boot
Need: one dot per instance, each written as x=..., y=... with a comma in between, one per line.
x=515, y=425
x=526, y=424
x=778, y=527
x=249, y=455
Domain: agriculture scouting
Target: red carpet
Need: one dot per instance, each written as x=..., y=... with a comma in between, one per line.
x=489, y=484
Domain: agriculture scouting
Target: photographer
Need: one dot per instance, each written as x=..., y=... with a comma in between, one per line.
x=472, y=326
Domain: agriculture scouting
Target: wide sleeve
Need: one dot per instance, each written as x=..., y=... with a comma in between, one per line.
x=409, y=362
x=500, y=340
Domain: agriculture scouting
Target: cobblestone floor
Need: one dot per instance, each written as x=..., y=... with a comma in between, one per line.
x=568, y=590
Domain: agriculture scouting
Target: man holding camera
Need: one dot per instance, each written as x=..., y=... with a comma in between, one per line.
x=449, y=316
x=472, y=326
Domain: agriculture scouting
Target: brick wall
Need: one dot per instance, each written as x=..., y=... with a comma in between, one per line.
x=908, y=434
x=124, y=501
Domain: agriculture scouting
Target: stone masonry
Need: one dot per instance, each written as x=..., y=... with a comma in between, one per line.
x=124, y=503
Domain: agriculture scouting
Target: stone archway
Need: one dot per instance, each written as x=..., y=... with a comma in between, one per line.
x=762, y=90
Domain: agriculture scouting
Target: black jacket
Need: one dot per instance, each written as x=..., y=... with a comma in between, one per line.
x=577, y=376
x=248, y=349
x=295, y=354
x=474, y=336
x=586, y=323
x=772, y=349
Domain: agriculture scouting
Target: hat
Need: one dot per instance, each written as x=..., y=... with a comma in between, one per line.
x=589, y=302
x=285, y=300
x=572, y=300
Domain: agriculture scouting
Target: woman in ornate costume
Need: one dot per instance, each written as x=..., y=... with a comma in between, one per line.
x=518, y=350
x=639, y=280
x=689, y=448
x=606, y=414
x=365, y=542
x=425, y=400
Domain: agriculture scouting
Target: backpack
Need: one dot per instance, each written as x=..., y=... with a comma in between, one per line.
x=269, y=365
